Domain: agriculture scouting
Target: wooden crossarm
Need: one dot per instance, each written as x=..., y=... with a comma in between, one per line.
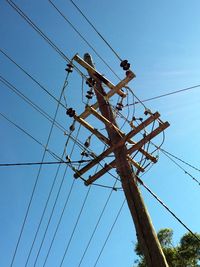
x=132, y=161
x=102, y=118
x=135, y=147
x=92, y=129
x=104, y=80
x=122, y=141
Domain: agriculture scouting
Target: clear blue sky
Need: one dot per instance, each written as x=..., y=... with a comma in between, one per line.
x=161, y=41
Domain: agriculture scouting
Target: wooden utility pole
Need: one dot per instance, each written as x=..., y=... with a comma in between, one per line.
x=145, y=231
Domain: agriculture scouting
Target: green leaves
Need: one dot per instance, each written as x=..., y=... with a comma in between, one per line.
x=185, y=254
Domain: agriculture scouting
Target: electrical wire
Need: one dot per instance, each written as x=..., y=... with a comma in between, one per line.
x=97, y=224
x=46, y=205
x=180, y=167
x=108, y=236
x=181, y=160
x=95, y=29
x=40, y=110
x=43, y=163
x=56, y=199
x=43, y=35
x=76, y=223
x=164, y=95
x=172, y=213
x=31, y=77
x=61, y=216
x=83, y=38
x=37, y=178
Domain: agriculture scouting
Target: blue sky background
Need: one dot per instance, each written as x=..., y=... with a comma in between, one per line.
x=161, y=41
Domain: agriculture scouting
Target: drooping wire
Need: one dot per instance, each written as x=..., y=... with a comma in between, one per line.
x=109, y=234
x=95, y=29
x=37, y=178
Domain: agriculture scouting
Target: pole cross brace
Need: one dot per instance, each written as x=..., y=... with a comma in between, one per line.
x=124, y=139
x=135, y=147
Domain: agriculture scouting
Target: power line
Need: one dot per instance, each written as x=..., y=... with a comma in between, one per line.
x=63, y=210
x=42, y=163
x=164, y=95
x=95, y=29
x=21, y=129
x=172, y=213
x=96, y=226
x=108, y=236
x=83, y=38
x=43, y=35
x=54, y=205
x=37, y=178
x=181, y=160
x=76, y=223
x=52, y=212
x=40, y=110
x=31, y=77
x=180, y=167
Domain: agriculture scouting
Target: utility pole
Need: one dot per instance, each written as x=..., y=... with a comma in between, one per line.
x=146, y=235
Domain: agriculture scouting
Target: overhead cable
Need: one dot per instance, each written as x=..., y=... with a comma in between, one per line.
x=164, y=95
x=95, y=29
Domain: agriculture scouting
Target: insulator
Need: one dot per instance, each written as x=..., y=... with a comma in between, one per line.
x=123, y=63
x=120, y=104
x=70, y=112
x=90, y=82
x=119, y=107
x=67, y=158
x=90, y=93
x=72, y=127
x=140, y=119
x=147, y=111
x=69, y=68
x=83, y=153
x=87, y=142
x=131, y=124
x=134, y=118
x=127, y=66
x=88, y=96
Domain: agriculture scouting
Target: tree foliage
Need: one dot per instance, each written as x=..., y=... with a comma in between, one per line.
x=185, y=254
